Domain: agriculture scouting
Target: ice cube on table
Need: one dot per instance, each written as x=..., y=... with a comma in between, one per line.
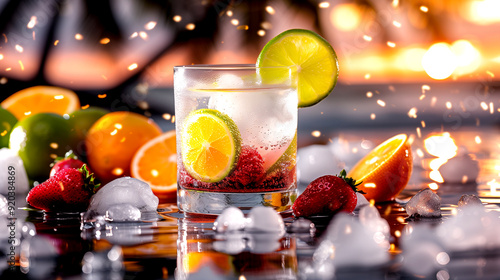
x=123, y=213
x=371, y=220
x=264, y=219
x=347, y=242
x=315, y=161
x=231, y=219
x=265, y=119
x=424, y=204
x=469, y=200
x=460, y=169
x=12, y=170
x=124, y=190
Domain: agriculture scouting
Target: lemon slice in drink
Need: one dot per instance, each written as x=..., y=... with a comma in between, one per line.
x=211, y=144
x=314, y=59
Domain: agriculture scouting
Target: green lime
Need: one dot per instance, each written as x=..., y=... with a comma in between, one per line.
x=7, y=121
x=287, y=159
x=80, y=122
x=38, y=140
x=311, y=56
x=211, y=144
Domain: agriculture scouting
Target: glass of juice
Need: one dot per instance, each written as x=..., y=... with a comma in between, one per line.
x=236, y=129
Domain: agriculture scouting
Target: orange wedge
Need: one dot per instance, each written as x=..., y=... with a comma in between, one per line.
x=41, y=99
x=156, y=163
x=386, y=170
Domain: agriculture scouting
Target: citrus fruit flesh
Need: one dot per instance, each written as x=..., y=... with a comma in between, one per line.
x=7, y=122
x=113, y=140
x=41, y=99
x=313, y=59
x=38, y=140
x=386, y=170
x=156, y=163
x=211, y=144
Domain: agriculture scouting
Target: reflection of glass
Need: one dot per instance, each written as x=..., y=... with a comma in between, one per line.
x=200, y=252
x=259, y=116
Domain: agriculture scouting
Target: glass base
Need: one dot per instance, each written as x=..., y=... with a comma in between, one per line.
x=213, y=203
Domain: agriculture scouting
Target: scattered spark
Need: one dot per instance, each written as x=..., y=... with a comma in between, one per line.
x=433, y=186
x=21, y=65
x=316, y=133
x=150, y=25
x=27, y=113
x=133, y=35
x=266, y=25
x=464, y=179
x=381, y=103
x=441, y=145
x=3, y=80
x=117, y=171
x=448, y=105
x=3, y=133
x=354, y=150
x=425, y=88
x=78, y=36
x=421, y=97
x=422, y=123
x=395, y=3
x=118, y=126
x=492, y=109
x=155, y=173
x=19, y=48
x=143, y=35
x=132, y=66
x=435, y=176
x=367, y=38
x=8, y=69
x=85, y=107
x=397, y=233
x=484, y=106
x=235, y=22
x=401, y=219
x=1, y=56
x=424, y=9
x=56, y=42
x=190, y=26
x=166, y=116
x=433, y=101
x=32, y=22
x=54, y=145
x=59, y=97
x=490, y=73
x=412, y=113
x=242, y=27
x=369, y=94
x=419, y=152
x=270, y=10
x=391, y=44
x=177, y=18
x=101, y=95
x=478, y=139
x=114, y=132
x=324, y=5
x=33, y=35
x=419, y=133
x=367, y=76
x=104, y=41
x=370, y=185
x=372, y=116
x=173, y=119
x=261, y=32
x=396, y=23
x=229, y=13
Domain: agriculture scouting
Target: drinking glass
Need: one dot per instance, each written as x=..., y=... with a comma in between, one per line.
x=259, y=108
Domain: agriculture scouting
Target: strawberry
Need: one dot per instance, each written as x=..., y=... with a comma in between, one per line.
x=327, y=195
x=69, y=189
x=70, y=160
x=250, y=167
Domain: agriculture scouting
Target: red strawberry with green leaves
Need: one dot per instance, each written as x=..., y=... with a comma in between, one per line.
x=70, y=160
x=68, y=190
x=327, y=195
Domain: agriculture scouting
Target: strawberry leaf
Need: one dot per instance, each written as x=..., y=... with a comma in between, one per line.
x=91, y=183
x=350, y=181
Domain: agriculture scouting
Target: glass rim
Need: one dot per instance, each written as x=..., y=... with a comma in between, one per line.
x=229, y=67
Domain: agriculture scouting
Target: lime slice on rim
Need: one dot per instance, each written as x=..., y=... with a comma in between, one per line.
x=314, y=59
x=211, y=144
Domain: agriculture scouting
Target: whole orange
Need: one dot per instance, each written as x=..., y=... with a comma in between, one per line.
x=113, y=140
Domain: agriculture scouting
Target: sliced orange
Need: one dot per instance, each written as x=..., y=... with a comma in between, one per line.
x=211, y=144
x=41, y=99
x=156, y=163
x=386, y=170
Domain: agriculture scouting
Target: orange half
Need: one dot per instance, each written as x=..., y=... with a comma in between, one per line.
x=41, y=99
x=156, y=163
x=386, y=170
